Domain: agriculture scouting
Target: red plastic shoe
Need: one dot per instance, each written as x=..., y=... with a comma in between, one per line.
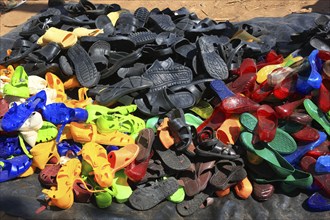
x=217, y=118
x=324, y=55
x=262, y=92
x=324, y=96
x=307, y=134
x=322, y=150
x=267, y=123
x=238, y=104
x=285, y=88
x=284, y=111
x=301, y=118
x=244, y=84
x=271, y=58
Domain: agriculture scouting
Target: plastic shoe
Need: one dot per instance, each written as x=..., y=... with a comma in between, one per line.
x=314, y=79
x=29, y=130
x=267, y=123
x=324, y=96
x=203, y=109
x=249, y=122
x=9, y=146
x=47, y=132
x=62, y=195
x=238, y=104
x=193, y=120
x=96, y=163
x=36, y=84
x=83, y=133
x=18, y=84
x=65, y=147
x=122, y=191
x=63, y=38
x=44, y=152
x=103, y=197
x=288, y=61
x=229, y=130
x=117, y=122
x=121, y=158
x=18, y=114
x=317, y=115
x=81, y=31
x=96, y=111
x=243, y=188
x=14, y=167
x=286, y=88
x=82, y=102
x=323, y=164
x=55, y=83
x=284, y=111
x=318, y=202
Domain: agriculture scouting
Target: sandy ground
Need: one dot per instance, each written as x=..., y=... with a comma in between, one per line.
x=220, y=10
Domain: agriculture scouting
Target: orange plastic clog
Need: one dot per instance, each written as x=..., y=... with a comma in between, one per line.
x=121, y=158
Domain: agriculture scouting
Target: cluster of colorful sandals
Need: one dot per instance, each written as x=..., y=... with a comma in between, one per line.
x=104, y=104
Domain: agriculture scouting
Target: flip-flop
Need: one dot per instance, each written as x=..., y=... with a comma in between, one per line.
x=317, y=115
x=95, y=162
x=84, y=133
x=63, y=38
x=249, y=122
x=122, y=191
x=14, y=167
x=148, y=197
x=275, y=160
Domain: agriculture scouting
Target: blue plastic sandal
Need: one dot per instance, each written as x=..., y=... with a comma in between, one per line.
x=9, y=146
x=221, y=89
x=14, y=167
x=66, y=146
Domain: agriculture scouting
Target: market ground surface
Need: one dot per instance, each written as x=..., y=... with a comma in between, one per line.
x=220, y=10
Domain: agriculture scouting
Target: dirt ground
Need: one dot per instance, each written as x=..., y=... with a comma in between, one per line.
x=220, y=10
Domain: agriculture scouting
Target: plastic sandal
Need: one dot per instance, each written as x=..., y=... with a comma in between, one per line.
x=267, y=123
x=63, y=38
x=203, y=109
x=323, y=164
x=249, y=122
x=95, y=163
x=55, y=83
x=164, y=134
x=103, y=198
x=317, y=115
x=318, y=202
x=18, y=84
x=47, y=176
x=82, y=102
x=96, y=111
x=148, y=197
x=121, y=158
x=244, y=188
x=193, y=120
x=36, y=84
x=83, y=133
x=275, y=160
x=288, y=61
x=262, y=192
x=62, y=196
x=81, y=193
x=229, y=130
x=44, y=152
x=14, y=167
x=9, y=146
x=69, y=149
x=120, y=187
x=117, y=122
x=47, y=132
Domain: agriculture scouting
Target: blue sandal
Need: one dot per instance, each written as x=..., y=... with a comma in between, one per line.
x=14, y=167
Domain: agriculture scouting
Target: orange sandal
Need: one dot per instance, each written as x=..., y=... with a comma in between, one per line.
x=84, y=133
x=121, y=158
x=55, y=83
x=95, y=162
x=83, y=100
x=72, y=83
x=164, y=134
x=62, y=196
x=43, y=152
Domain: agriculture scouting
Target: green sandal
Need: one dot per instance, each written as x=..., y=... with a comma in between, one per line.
x=47, y=132
x=96, y=111
x=283, y=143
x=117, y=122
x=102, y=199
x=122, y=191
x=18, y=85
x=317, y=115
x=274, y=159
